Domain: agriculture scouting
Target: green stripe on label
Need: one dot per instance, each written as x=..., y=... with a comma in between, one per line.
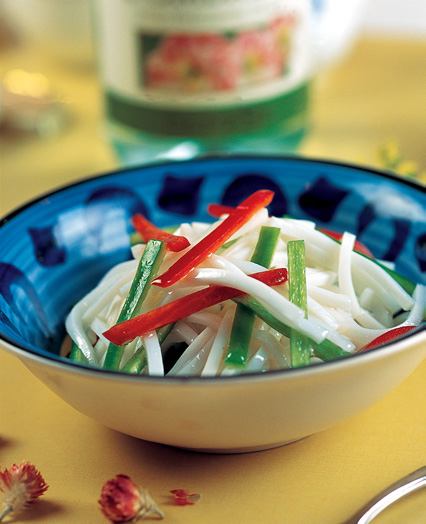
x=244, y=119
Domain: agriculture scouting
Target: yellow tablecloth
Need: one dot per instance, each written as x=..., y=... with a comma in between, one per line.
x=375, y=94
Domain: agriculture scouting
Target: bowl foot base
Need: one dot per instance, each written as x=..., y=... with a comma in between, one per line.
x=243, y=449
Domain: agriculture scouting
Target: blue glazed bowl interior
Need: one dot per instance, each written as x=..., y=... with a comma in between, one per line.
x=56, y=248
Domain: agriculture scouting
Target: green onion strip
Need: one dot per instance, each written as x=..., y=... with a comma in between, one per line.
x=148, y=267
x=299, y=344
x=242, y=327
x=325, y=350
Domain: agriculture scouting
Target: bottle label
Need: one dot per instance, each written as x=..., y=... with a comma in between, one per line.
x=169, y=64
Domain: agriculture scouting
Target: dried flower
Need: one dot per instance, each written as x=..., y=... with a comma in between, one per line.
x=182, y=497
x=122, y=501
x=20, y=485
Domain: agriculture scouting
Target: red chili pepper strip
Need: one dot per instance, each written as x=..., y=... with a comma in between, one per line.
x=389, y=336
x=359, y=247
x=183, y=307
x=209, y=244
x=148, y=230
x=217, y=210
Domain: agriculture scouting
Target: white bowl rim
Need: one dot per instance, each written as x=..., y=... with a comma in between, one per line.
x=403, y=343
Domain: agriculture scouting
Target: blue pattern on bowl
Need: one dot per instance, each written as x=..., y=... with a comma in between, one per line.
x=56, y=248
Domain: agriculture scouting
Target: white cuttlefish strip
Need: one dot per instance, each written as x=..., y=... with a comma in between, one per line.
x=191, y=351
x=329, y=298
x=362, y=336
x=108, y=292
x=386, y=281
x=153, y=353
x=196, y=364
x=184, y=332
x=277, y=304
x=205, y=318
x=215, y=356
x=346, y=284
x=77, y=327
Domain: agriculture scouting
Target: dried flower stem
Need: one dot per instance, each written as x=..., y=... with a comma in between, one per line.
x=6, y=512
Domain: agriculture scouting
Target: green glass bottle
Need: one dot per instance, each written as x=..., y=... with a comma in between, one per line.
x=184, y=78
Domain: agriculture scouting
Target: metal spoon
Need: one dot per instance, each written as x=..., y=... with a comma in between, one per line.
x=399, y=489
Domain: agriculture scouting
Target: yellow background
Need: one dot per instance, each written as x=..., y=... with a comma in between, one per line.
x=375, y=94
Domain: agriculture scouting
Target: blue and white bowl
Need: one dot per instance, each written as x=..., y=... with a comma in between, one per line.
x=55, y=248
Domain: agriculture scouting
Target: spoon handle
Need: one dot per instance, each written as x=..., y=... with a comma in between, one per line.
x=412, y=482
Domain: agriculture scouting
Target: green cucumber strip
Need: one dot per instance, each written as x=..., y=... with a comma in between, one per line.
x=325, y=350
x=242, y=327
x=77, y=355
x=297, y=274
x=265, y=246
x=138, y=360
x=299, y=344
x=239, y=339
x=148, y=267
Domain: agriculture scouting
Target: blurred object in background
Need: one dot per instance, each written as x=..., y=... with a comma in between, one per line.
x=390, y=157
x=63, y=27
x=8, y=36
x=201, y=97
x=399, y=18
x=336, y=25
x=186, y=78
x=28, y=104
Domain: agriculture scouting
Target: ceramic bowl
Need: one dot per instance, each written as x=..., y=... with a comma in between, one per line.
x=55, y=248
